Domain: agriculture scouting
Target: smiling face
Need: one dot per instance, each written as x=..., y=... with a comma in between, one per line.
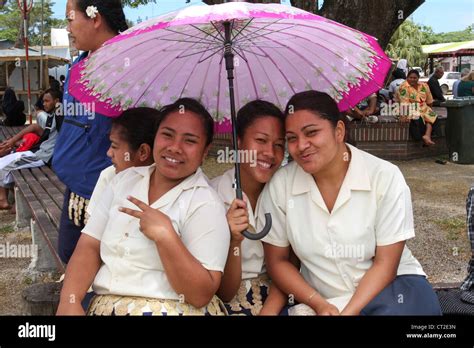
x=80, y=27
x=413, y=79
x=180, y=145
x=266, y=138
x=313, y=142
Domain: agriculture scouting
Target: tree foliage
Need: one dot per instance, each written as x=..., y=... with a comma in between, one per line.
x=11, y=23
x=406, y=43
x=429, y=37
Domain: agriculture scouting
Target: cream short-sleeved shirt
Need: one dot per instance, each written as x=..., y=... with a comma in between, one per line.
x=105, y=178
x=131, y=263
x=373, y=208
x=252, y=250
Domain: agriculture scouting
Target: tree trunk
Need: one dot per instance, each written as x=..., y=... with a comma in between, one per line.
x=379, y=18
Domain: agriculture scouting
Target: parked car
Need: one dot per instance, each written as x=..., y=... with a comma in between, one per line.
x=420, y=70
x=447, y=81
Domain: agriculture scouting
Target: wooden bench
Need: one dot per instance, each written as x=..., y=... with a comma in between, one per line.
x=39, y=197
x=8, y=132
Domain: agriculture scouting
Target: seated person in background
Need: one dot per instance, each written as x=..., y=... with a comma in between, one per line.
x=365, y=109
x=13, y=109
x=416, y=100
x=30, y=139
x=466, y=86
x=34, y=158
x=54, y=84
x=398, y=77
x=464, y=72
x=435, y=88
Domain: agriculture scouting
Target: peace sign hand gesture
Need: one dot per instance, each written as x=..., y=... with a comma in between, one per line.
x=153, y=223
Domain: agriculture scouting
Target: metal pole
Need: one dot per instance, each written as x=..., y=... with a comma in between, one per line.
x=25, y=9
x=42, y=44
x=229, y=65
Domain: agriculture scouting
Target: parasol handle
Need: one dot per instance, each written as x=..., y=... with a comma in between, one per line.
x=229, y=63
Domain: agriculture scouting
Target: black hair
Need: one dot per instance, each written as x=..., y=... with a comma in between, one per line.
x=399, y=74
x=414, y=71
x=53, y=92
x=110, y=10
x=39, y=103
x=317, y=102
x=254, y=110
x=62, y=77
x=321, y=104
x=137, y=126
x=194, y=106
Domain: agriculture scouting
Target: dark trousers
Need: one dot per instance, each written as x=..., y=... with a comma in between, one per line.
x=406, y=295
x=69, y=233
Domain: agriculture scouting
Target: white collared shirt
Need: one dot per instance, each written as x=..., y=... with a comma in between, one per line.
x=336, y=249
x=105, y=178
x=251, y=250
x=131, y=263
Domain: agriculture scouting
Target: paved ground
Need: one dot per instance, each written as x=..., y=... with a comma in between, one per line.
x=439, y=202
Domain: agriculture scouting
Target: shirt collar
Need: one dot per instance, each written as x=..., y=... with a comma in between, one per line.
x=198, y=179
x=357, y=176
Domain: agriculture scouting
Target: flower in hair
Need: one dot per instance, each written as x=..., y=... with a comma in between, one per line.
x=92, y=11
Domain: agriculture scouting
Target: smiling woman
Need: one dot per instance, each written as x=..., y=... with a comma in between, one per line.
x=162, y=251
x=347, y=215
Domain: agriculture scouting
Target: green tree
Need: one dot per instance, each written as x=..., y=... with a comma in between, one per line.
x=11, y=23
x=429, y=37
x=406, y=43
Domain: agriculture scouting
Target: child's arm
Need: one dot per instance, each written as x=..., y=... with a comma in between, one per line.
x=32, y=128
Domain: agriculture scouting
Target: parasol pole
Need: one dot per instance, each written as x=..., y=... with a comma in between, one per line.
x=25, y=9
x=229, y=65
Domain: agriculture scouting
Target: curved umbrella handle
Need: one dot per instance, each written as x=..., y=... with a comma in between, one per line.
x=264, y=232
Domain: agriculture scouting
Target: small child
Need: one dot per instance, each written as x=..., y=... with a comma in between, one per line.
x=132, y=136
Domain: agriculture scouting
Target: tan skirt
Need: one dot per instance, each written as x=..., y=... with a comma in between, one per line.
x=250, y=297
x=144, y=306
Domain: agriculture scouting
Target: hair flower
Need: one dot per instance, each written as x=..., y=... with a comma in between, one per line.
x=92, y=11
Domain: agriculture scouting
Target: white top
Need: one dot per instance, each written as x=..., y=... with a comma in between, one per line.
x=131, y=263
x=373, y=208
x=395, y=85
x=41, y=118
x=251, y=250
x=105, y=178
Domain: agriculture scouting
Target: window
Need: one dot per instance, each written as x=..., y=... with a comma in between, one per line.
x=454, y=76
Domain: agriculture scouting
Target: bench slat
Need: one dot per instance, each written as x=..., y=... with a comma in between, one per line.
x=47, y=203
x=49, y=231
x=48, y=186
x=54, y=179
